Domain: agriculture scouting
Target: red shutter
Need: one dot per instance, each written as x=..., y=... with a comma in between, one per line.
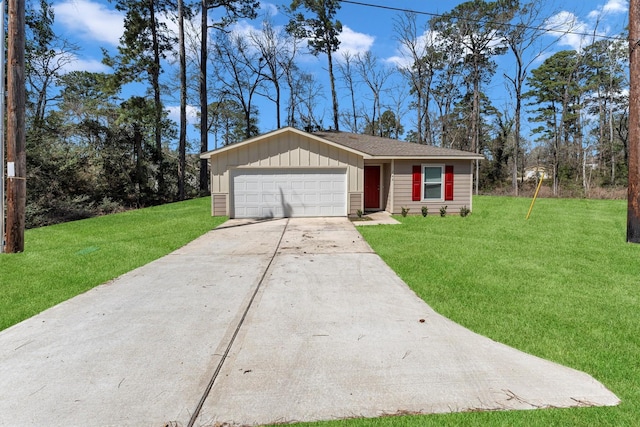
x=416, y=183
x=448, y=182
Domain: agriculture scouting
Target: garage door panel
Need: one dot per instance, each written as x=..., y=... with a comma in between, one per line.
x=251, y=186
x=282, y=192
x=310, y=185
x=327, y=198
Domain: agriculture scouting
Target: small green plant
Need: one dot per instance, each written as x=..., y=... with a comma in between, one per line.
x=464, y=211
x=404, y=211
x=425, y=211
x=443, y=210
x=359, y=213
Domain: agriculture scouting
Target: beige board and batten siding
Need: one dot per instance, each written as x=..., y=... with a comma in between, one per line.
x=403, y=180
x=284, y=150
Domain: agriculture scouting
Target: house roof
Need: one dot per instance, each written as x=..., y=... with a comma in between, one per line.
x=211, y=153
x=379, y=147
x=371, y=147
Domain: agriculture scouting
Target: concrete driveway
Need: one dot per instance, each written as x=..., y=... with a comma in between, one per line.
x=253, y=323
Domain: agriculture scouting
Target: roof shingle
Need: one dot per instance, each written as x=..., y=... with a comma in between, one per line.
x=377, y=146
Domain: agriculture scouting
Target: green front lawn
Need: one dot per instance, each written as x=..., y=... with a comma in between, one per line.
x=563, y=285
x=61, y=261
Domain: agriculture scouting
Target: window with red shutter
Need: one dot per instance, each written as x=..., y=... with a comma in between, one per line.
x=448, y=182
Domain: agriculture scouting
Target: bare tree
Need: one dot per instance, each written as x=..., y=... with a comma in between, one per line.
x=374, y=76
x=522, y=35
x=395, y=103
x=345, y=68
x=419, y=71
x=46, y=55
x=294, y=84
x=182, y=140
x=308, y=93
x=234, y=9
x=278, y=51
x=240, y=72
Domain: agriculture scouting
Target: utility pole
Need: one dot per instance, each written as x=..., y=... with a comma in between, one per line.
x=2, y=93
x=633, y=198
x=16, y=155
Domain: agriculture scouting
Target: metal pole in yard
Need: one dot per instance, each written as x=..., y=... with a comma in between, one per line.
x=535, y=196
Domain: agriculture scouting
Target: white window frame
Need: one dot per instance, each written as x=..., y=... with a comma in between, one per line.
x=422, y=182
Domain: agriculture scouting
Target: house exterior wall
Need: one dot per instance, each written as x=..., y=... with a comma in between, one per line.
x=284, y=150
x=356, y=202
x=219, y=204
x=402, y=179
x=385, y=179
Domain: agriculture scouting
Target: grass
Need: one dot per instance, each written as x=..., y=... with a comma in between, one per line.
x=64, y=260
x=563, y=285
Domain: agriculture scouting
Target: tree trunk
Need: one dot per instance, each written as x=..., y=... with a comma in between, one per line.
x=137, y=146
x=475, y=119
x=611, y=139
x=182, y=144
x=155, y=82
x=334, y=95
x=518, y=117
x=277, y=87
x=204, y=143
x=419, y=112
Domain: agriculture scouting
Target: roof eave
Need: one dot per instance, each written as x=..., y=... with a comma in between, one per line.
x=209, y=154
x=443, y=157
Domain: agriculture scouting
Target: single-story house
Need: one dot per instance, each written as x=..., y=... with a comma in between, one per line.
x=534, y=172
x=289, y=172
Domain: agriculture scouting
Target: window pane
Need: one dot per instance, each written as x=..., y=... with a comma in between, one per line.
x=432, y=191
x=432, y=182
x=433, y=175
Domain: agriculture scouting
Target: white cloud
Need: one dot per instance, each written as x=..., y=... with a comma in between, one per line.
x=268, y=9
x=353, y=43
x=90, y=19
x=243, y=29
x=192, y=114
x=90, y=65
x=616, y=6
x=404, y=58
x=612, y=7
x=571, y=31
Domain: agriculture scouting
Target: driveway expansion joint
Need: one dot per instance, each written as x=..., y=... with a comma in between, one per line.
x=196, y=412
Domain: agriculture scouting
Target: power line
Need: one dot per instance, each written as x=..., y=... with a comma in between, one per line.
x=439, y=15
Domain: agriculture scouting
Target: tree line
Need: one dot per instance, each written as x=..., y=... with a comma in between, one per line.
x=96, y=146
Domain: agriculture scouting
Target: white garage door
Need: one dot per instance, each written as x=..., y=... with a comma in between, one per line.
x=277, y=193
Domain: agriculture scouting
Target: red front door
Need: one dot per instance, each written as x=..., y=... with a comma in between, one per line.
x=372, y=187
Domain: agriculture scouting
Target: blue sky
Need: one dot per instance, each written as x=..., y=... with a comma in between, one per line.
x=95, y=24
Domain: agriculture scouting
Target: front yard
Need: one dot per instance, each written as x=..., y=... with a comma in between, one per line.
x=563, y=285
